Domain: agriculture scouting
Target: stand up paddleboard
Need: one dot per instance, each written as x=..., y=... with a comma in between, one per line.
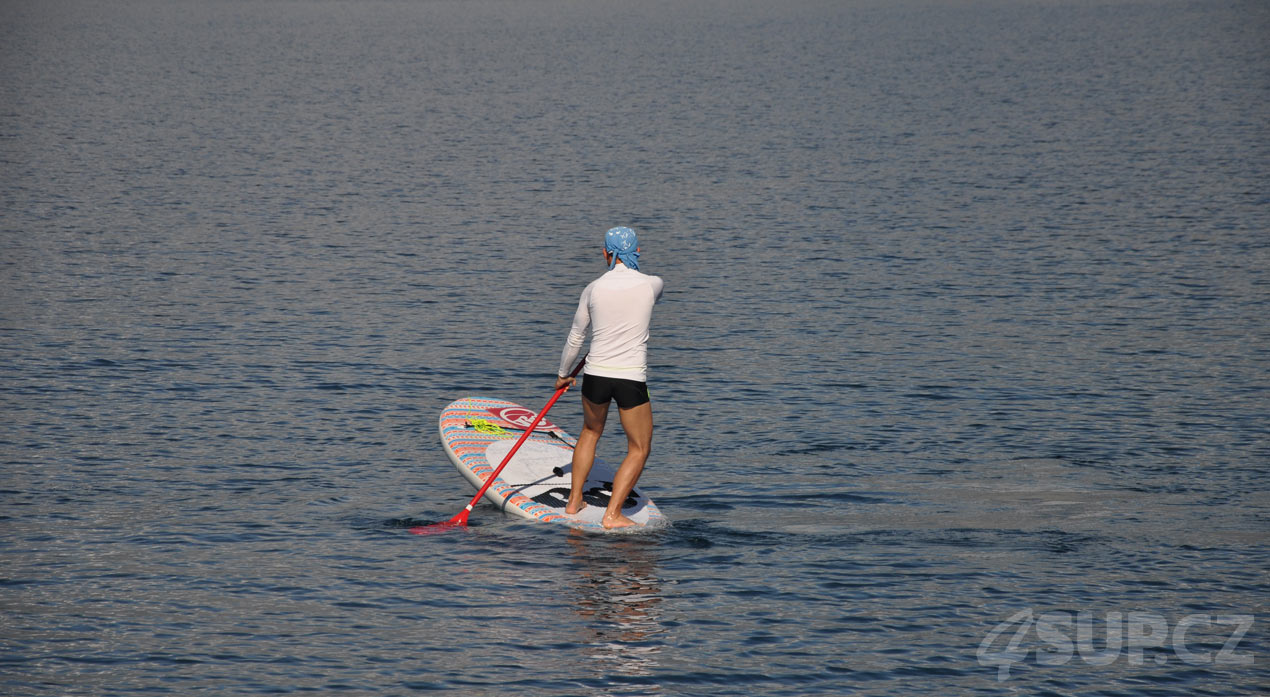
x=478, y=432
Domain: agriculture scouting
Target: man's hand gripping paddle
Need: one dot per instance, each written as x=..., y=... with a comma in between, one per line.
x=460, y=519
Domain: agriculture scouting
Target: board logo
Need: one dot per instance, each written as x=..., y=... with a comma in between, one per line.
x=520, y=417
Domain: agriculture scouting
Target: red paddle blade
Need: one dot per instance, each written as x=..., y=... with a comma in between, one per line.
x=458, y=521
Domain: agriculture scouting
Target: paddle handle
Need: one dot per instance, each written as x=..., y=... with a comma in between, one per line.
x=461, y=518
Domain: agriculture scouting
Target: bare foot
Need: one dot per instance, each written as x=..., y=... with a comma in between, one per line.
x=616, y=521
x=572, y=508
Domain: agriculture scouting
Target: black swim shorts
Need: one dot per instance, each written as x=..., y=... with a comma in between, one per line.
x=628, y=393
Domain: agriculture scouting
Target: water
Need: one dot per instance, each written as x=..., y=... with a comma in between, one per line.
x=965, y=318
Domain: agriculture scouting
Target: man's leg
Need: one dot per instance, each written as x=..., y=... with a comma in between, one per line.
x=638, y=424
x=593, y=418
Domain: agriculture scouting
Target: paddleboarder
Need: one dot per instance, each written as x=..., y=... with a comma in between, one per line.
x=616, y=308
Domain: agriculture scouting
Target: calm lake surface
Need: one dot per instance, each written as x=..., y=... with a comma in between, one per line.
x=961, y=377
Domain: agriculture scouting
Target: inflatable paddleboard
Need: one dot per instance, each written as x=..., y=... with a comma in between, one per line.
x=478, y=432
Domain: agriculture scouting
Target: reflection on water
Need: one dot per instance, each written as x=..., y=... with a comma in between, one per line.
x=617, y=592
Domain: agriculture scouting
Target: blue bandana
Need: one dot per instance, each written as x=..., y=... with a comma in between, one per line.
x=621, y=242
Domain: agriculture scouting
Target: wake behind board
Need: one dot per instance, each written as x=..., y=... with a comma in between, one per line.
x=478, y=432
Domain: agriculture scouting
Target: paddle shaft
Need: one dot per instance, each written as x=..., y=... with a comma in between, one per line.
x=461, y=517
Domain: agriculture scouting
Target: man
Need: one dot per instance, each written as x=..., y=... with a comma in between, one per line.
x=617, y=307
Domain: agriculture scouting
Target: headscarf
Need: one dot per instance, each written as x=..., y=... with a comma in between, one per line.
x=621, y=242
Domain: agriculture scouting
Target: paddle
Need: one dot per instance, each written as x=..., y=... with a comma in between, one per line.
x=460, y=519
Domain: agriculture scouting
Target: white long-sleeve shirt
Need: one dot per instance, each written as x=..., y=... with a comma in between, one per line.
x=617, y=308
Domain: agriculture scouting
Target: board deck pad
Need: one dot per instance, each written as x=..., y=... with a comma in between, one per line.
x=535, y=484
